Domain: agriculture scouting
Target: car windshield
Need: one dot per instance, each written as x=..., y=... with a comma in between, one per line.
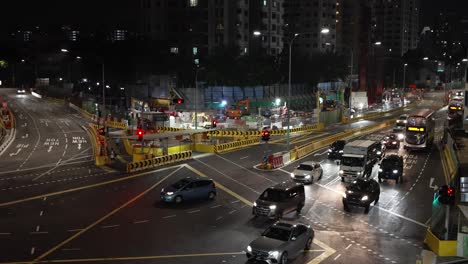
x=305, y=167
x=180, y=184
x=389, y=163
x=352, y=161
x=403, y=118
x=277, y=233
x=359, y=186
x=338, y=144
x=273, y=195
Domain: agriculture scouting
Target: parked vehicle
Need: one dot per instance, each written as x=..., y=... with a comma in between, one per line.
x=391, y=168
x=280, y=199
x=358, y=159
x=361, y=192
x=307, y=172
x=391, y=141
x=189, y=189
x=336, y=149
x=280, y=242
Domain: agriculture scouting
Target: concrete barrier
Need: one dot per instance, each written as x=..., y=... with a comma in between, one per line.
x=443, y=248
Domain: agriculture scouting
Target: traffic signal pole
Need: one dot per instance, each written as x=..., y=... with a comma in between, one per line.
x=447, y=219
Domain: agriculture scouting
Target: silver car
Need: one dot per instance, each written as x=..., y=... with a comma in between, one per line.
x=280, y=242
x=307, y=172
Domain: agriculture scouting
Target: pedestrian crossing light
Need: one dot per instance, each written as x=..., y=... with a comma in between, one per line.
x=178, y=101
x=140, y=134
x=265, y=135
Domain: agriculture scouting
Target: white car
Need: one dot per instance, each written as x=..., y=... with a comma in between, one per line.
x=307, y=172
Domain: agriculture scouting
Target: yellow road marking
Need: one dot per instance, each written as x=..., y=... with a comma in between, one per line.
x=328, y=251
x=50, y=251
x=222, y=187
x=84, y=187
x=130, y=258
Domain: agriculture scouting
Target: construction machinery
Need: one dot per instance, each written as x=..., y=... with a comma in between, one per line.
x=239, y=110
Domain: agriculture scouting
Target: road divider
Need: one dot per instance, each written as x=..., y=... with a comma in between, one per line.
x=158, y=161
x=220, y=148
x=280, y=132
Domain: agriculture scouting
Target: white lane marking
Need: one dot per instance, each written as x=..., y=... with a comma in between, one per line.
x=74, y=230
x=194, y=211
x=66, y=146
x=41, y=213
x=233, y=211
x=319, y=154
x=219, y=218
x=5, y=234
x=33, y=249
x=37, y=228
x=70, y=249
x=16, y=153
x=109, y=226
x=50, y=148
x=285, y=171
x=140, y=222
x=254, y=173
x=236, y=201
x=38, y=233
x=220, y=172
x=339, y=255
x=169, y=216
x=58, y=162
x=348, y=246
x=216, y=206
x=244, y=157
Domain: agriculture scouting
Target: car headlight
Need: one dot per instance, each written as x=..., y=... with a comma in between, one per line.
x=255, y=204
x=394, y=143
x=404, y=121
x=344, y=195
x=307, y=176
x=340, y=151
x=169, y=193
x=359, y=173
x=249, y=249
x=272, y=207
x=329, y=150
x=379, y=152
x=341, y=171
x=273, y=254
x=162, y=190
x=380, y=170
x=395, y=171
x=292, y=175
x=401, y=136
x=365, y=198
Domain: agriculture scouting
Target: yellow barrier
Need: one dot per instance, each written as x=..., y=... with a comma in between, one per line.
x=235, y=145
x=116, y=124
x=443, y=248
x=169, y=129
x=204, y=148
x=233, y=133
x=158, y=161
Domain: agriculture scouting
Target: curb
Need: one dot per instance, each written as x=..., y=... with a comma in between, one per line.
x=8, y=141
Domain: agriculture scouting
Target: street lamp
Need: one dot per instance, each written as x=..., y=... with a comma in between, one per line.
x=196, y=94
x=277, y=101
x=64, y=50
x=378, y=43
x=325, y=31
x=404, y=76
x=288, y=132
x=257, y=33
x=425, y=58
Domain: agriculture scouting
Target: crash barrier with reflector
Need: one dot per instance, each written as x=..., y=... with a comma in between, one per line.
x=235, y=145
x=168, y=129
x=115, y=124
x=158, y=161
x=233, y=133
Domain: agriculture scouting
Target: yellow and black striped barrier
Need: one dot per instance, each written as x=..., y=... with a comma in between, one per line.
x=115, y=124
x=281, y=132
x=169, y=129
x=235, y=145
x=158, y=161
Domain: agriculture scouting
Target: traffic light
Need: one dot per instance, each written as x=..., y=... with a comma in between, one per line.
x=265, y=135
x=447, y=195
x=101, y=131
x=214, y=123
x=178, y=101
x=140, y=134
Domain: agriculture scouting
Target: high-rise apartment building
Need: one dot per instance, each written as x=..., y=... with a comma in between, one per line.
x=199, y=27
x=316, y=21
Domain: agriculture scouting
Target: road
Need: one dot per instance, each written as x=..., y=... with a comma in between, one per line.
x=58, y=206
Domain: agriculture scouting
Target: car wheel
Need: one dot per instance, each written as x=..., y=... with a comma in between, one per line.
x=366, y=209
x=342, y=179
x=211, y=195
x=346, y=207
x=401, y=179
x=377, y=200
x=299, y=208
x=178, y=199
x=284, y=258
x=380, y=179
x=396, y=180
x=308, y=244
x=321, y=174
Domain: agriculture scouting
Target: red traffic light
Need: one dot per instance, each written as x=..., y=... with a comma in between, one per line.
x=140, y=133
x=178, y=101
x=450, y=191
x=101, y=131
x=265, y=133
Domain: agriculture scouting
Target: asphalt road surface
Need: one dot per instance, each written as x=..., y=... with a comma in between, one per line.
x=57, y=206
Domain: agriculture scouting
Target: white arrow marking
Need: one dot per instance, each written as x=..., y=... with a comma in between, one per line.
x=14, y=154
x=435, y=187
x=50, y=149
x=79, y=146
x=25, y=136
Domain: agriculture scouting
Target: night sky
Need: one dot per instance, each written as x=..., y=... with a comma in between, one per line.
x=82, y=13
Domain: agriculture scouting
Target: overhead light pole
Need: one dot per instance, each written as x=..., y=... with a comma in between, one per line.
x=196, y=95
x=288, y=132
x=404, y=76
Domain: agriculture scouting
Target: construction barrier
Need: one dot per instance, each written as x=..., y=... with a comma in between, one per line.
x=158, y=161
x=168, y=129
x=276, y=160
x=443, y=248
x=233, y=133
x=115, y=124
x=235, y=145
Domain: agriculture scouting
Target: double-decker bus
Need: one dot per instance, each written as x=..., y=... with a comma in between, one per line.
x=419, y=131
x=455, y=112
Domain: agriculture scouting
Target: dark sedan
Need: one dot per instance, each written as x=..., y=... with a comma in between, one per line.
x=391, y=141
x=361, y=192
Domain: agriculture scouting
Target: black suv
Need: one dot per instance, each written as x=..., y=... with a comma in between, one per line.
x=279, y=200
x=336, y=149
x=361, y=192
x=391, y=168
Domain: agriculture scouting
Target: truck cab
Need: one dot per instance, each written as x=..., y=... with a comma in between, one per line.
x=358, y=159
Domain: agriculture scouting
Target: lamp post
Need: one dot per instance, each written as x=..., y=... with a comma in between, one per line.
x=288, y=135
x=404, y=76
x=196, y=94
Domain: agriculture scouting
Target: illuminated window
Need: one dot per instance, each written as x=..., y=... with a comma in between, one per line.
x=175, y=50
x=193, y=3
x=264, y=2
x=195, y=50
